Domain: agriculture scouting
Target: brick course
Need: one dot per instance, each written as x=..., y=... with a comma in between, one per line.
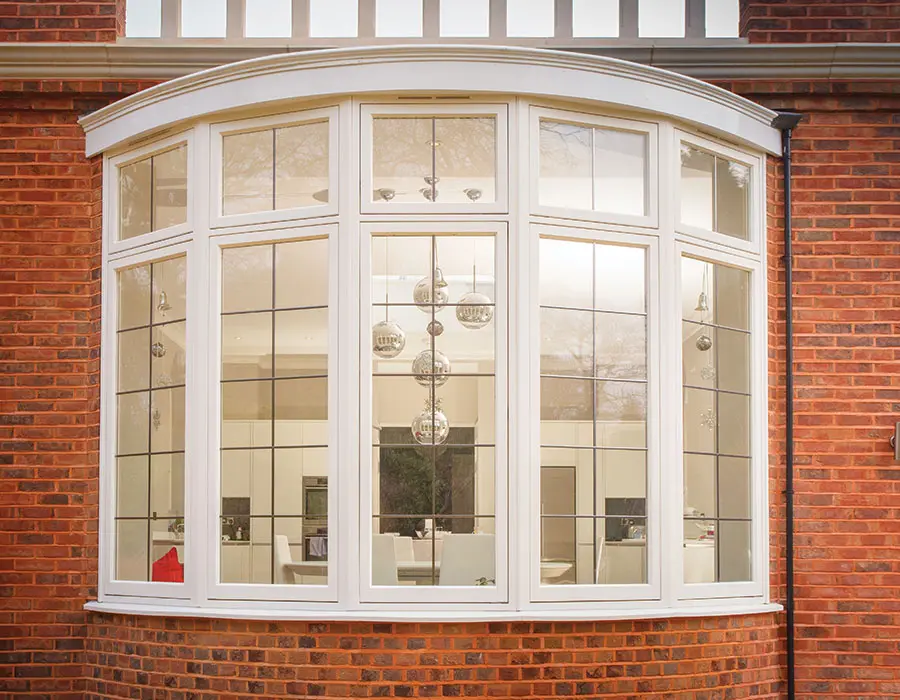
x=61, y=20
x=820, y=21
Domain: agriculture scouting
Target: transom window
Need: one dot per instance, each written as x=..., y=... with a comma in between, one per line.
x=499, y=356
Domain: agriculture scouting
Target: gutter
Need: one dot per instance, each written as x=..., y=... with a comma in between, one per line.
x=786, y=122
x=158, y=59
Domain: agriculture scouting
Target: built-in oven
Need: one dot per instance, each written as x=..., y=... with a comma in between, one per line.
x=315, y=518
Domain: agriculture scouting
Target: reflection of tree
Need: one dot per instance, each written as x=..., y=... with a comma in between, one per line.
x=565, y=148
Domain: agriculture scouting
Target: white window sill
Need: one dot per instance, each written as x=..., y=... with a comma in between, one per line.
x=556, y=614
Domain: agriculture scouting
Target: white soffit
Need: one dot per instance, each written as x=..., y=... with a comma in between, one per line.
x=432, y=70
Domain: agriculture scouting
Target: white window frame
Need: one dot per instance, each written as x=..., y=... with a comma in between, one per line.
x=112, y=166
x=218, y=132
x=757, y=220
x=500, y=111
x=759, y=386
x=597, y=593
x=593, y=121
x=269, y=591
x=454, y=595
x=109, y=584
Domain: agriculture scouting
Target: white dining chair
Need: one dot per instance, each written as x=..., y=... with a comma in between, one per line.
x=283, y=557
x=466, y=559
x=601, y=563
x=403, y=548
x=384, y=561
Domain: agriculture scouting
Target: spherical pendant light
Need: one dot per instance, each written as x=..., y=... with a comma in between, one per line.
x=475, y=310
x=388, y=339
x=704, y=343
x=431, y=292
x=430, y=427
x=430, y=366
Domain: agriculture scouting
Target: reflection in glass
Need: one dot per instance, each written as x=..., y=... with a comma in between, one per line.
x=274, y=431
x=153, y=193
x=717, y=466
x=593, y=431
x=715, y=193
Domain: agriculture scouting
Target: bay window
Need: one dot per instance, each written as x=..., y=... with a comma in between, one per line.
x=373, y=354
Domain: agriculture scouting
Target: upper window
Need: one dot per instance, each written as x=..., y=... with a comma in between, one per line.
x=416, y=356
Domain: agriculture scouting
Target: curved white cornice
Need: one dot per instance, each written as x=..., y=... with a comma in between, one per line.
x=431, y=70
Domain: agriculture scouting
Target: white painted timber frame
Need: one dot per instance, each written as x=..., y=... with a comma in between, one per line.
x=348, y=84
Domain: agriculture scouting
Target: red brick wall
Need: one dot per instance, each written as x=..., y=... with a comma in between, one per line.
x=688, y=658
x=61, y=20
x=847, y=325
x=820, y=21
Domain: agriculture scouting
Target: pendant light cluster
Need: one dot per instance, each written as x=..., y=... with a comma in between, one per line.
x=431, y=368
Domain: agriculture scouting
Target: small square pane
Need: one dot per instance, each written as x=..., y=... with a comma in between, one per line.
x=622, y=559
x=402, y=159
x=246, y=486
x=558, y=551
x=618, y=402
x=734, y=424
x=567, y=342
x=301, y=165
x=170, y=290
x=562, y=472
x=167, y=485
x=397, y=401
x=167, y=354
x=700, y=421
x=132, y=484
x=135, y=196
x=620, y=482
x=699, y=353
x=301, y=273
x=298, y=540
x=698, y=300
x=699, y=554
x=167, y=420
x=465, y=160
x=134, y=360
x=470, y=350
x=620, y=180
x=247, y=278
x=735, y=560
x=132, y=550
x=620, y=278
x=732, y=199
x=566, y=399
x=734, y=360
x=620, y=346
x=133, y=423
x=134, y=297
x=566, y=273
x=697, y=172
x=566, y=165
x=247, y=414
x=732, y=297
x=247, y=346
x=301, y=342
x=170, y=194
x=734, y=488
x=248, y=172
x=298, y=400
x=399, y=262
x=566, y=433
x=700, y=485
x=301, y=478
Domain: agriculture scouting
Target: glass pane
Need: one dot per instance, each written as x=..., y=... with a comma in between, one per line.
x=133, y=423
x=620, y=479
x=620, y=346
x=734, y=424
x=734, y=551
x=246, y=490
x=622, y=551
x=170, y=188
x=167, y=486
x=132, y=550
x=301, y=274
x=247, y=279
x=301, y=551
x=135, y=199
x=734, y=360
x=566, y=399
x=700, y=500
x=561, y=470
x=301, y=482
x=698, y=299
x=566, y=176
x=700, y=421
x=559, y=550
x=167, y=550
x=167, y=420
x=465, y=158
x=247, y=346
x=699, y=354
x=301, y=342
x=561, y=433
x=732, y=199
x=621, y=172
x=732, y=297
x=301, y=165
x=134, y=360
x=167, y=354
x=697, y=168
x=567, y=342
x=619, y=278
x=734, y=489
x=296, y=401
x=247, y=414
x=699, y=556
x=170, y=290
x=132, y=483
x=402, y=159
x=248, y=174
x=621, y=403
x=134, y=297
x=566, y=274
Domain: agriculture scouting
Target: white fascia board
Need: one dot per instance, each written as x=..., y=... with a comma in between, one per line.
x=463, y=70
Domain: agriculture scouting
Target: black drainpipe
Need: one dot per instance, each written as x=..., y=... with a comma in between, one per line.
x=785, y=122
